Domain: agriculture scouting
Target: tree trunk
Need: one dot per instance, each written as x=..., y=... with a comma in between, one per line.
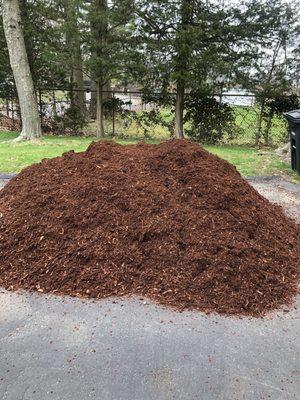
x=54, y=104
x=31, y=124
x=27, y=36
x=99, y=39
x=77, y=94
x=100, y=126
x=7, y=107
x=107, y=91
x=268, y=128
x=93, y=104
x=183, y=54
x=260, y=121
x=179, y=107
x=263, y=102
x=12, y=110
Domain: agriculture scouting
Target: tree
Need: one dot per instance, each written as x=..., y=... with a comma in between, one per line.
x=269, y=75
x=73, y=48
x=43, y=24
x=183, y=50
x=7, y=84
x=31, y=124
x=110, y=32
x=183, y=40
x=295, y=68
x=197, y=46
x=99, y=38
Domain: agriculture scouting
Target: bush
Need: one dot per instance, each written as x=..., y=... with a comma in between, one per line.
x=114, y=105
x=146, y=120
x=71, y=122
x=284, y=103
x=276, y=107
x=209, y=119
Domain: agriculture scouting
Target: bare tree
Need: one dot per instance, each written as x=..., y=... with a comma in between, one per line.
x=31, y=123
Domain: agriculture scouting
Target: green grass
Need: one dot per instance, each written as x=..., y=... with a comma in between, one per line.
x=15, y=156
x=253, y=162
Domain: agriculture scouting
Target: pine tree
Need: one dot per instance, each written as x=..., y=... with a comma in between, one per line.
x=42, y=23
x=198, y=46
x=268, y=70
x=110, y=31
x=73, y=49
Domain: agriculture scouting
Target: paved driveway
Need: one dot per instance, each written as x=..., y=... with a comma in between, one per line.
x=63, y=348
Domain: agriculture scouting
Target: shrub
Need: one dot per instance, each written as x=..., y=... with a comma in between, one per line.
x=147, y=119
x=284, y=103
x=71, y=122
x=209, y=119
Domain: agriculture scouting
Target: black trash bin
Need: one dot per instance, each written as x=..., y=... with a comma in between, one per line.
x=293, y=118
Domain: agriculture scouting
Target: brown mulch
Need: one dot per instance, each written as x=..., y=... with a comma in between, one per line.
x=170, y=222
x=9, y=124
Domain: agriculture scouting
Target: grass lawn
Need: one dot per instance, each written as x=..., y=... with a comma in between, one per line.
x=15, y=156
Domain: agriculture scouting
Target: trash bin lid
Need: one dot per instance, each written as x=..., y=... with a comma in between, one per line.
x=293, y=116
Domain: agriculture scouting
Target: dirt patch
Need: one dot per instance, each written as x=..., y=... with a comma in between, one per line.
x=171, y=222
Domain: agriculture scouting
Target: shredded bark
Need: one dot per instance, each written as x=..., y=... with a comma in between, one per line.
x=9, y=124
x=170, y=222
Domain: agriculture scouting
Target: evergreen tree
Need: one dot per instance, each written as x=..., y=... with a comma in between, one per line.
x=187, y=45
x=269, y=74
x=72, y=30
x=45, y=45
x=110, y=32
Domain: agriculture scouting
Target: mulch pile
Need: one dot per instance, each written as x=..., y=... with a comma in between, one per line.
x=169, y=222
x=9, y=124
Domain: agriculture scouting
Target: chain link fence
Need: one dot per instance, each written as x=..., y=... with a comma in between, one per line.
x=129, y=114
